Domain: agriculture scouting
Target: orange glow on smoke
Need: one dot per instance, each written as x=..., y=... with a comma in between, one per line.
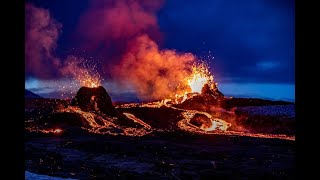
x=199, y=77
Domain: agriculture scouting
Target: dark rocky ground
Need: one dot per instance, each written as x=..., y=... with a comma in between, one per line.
x=166, y=155
x=161, y=156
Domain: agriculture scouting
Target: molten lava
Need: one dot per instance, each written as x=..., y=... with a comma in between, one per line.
x=102, y=124
x=199, y=77
x=217, y=124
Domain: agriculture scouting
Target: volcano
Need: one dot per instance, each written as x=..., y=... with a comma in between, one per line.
x=95, y=99
x=210, y=95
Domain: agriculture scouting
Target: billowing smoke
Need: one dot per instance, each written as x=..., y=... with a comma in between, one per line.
x=155, y=73
x=126, y=32
x=41, y=35
x=129, y=29
x=109, y=24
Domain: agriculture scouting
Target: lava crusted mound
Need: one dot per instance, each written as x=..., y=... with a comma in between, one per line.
x=95, y=99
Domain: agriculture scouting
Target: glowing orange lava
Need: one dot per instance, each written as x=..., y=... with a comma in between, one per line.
x=108, y=124
x=199, y=77
x=193, y=83
x=217, y=124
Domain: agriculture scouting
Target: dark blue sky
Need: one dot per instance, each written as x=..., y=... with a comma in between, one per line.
x=252, y=41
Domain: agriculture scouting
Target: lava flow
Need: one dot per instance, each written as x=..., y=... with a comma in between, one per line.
x=103, y=124
x=98, y=115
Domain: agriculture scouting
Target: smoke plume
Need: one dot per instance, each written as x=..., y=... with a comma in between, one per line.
x=113, y=22
x=127, y=34
x=129, y=29
x=154, y=73
x=41, y=35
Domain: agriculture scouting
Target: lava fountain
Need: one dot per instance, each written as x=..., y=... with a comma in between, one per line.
x=88, y=80
x=199, y=81
x=83, y=72
x=199, y=77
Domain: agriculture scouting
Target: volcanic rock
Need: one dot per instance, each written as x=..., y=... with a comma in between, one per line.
x=95, y=99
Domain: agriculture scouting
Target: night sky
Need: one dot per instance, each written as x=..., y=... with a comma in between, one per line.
x=252, y=42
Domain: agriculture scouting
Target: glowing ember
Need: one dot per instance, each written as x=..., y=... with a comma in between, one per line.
x=84, y=71
x=88, y=80
x=199, y=77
